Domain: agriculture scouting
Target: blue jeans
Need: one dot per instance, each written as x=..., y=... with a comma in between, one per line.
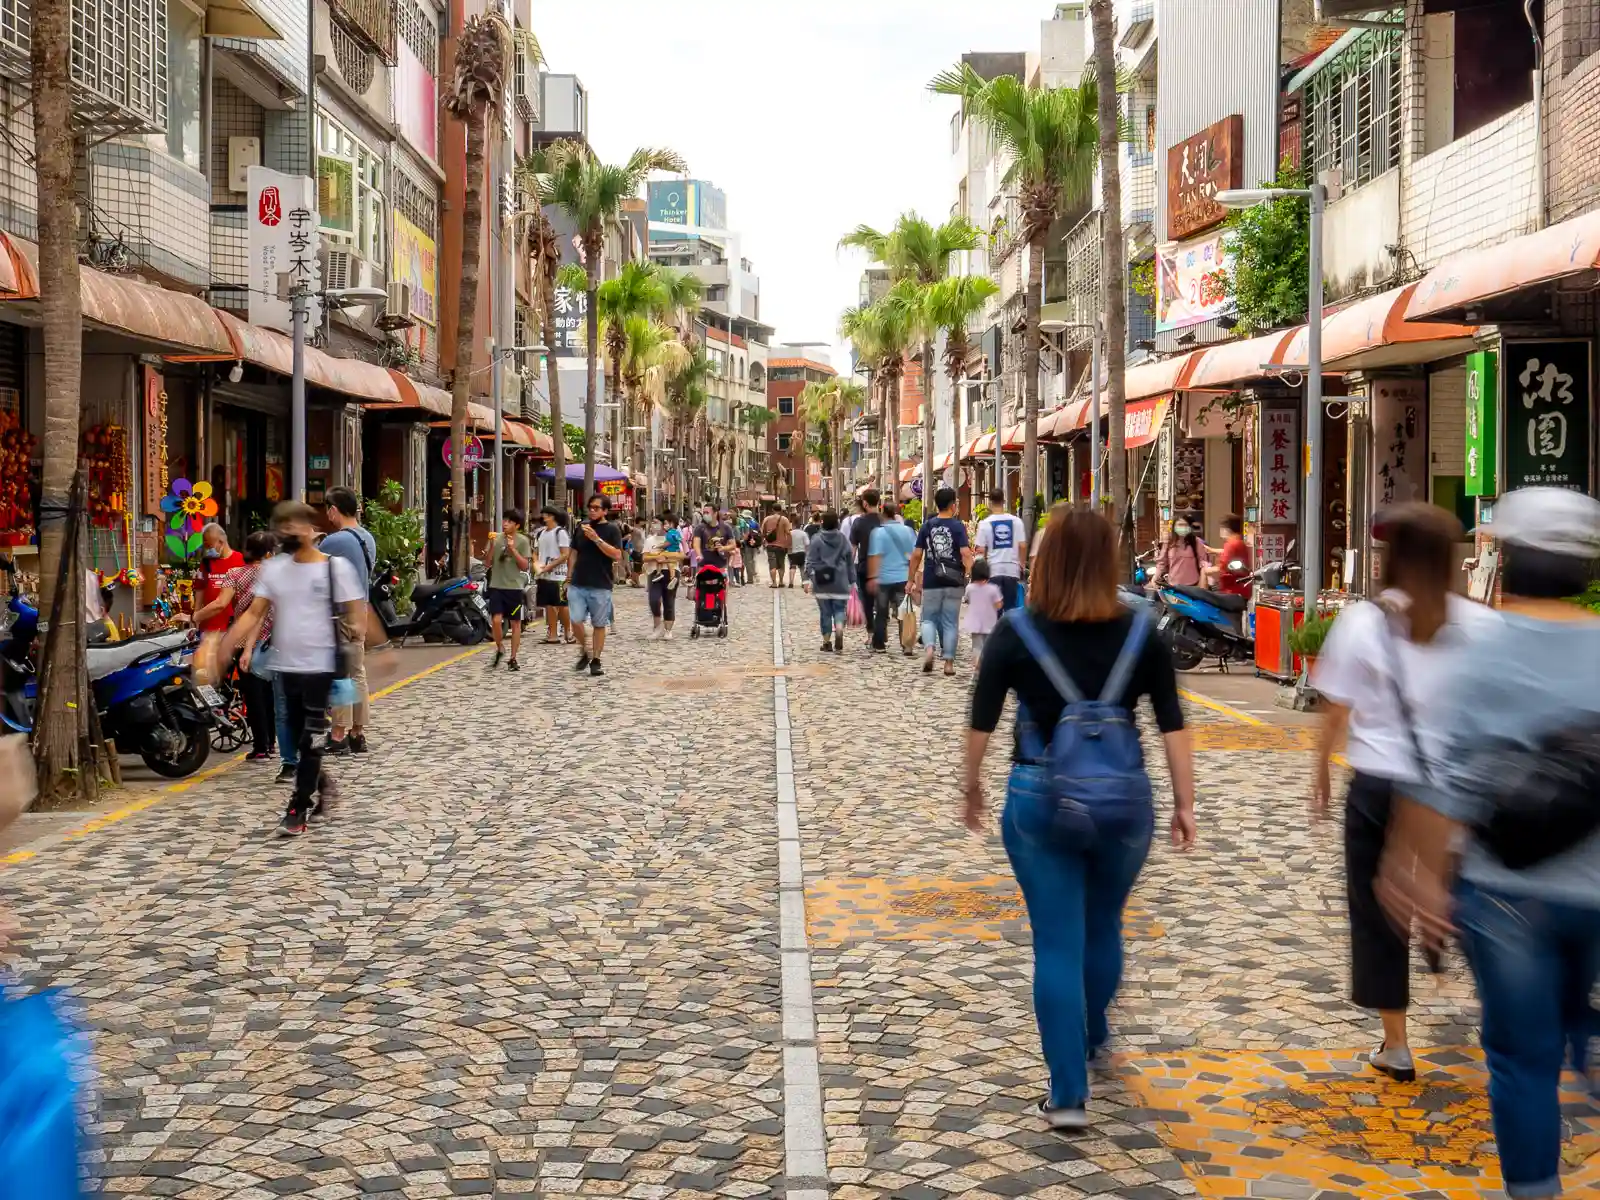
x=1535, y=963
x=830, y=613
x=589, y=606
x=1010, y=591
x=288, y=739
x=1075, y=900
x=941, y=614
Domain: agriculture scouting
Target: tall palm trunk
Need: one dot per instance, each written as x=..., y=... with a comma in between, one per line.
x=62, y=723
x=592, y=244
x=466, y=328
x=956, y=368
x=1113, y=262
x=891, y=423
x=927, y=423
x=1030, y=383
x=558, y=488
x=838, y=462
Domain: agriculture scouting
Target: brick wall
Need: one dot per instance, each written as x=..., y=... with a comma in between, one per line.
x=1572, y=96
x=1477, y=191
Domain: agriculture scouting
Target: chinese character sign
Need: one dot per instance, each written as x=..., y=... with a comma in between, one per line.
x=1548, y=389
x=1280, y=466
x=1482, y=421
x=1399, y=439
x=572, y=310
x=282, y=237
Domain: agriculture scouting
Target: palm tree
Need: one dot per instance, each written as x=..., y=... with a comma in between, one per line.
x=951, y=304
x=653, y=355
x=634, y=293
x=881, y=334
x=592, y=193
x=549, y=274
x=1052, y=137
x=848, y=397
x=62, y=723
x=1113, y=259
x=917, y=251
x=686, y=398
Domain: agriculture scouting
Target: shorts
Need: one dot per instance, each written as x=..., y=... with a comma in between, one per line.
x=550, y=593
x=775, y=557
x=797, y=562
x=589, y=606
x=506, y=602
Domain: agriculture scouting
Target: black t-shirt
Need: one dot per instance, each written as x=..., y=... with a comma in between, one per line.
x=1087, y=650
x=706, y=536
x=591, y=568
x=860, y=537
x=941, y=541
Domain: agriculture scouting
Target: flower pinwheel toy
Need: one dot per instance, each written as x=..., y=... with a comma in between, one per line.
x=189, y=505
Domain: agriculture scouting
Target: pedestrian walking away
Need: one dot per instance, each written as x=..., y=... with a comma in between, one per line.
x=830, y=574
x=939, y=568
x=1378, y=675
x=552, y=552
x=315, y=602
x=778, y=533
x=356, y=545
x=1499, y=843
x=1001, y=540
x=255, y=677
x=663, y=554
x=509, y=556
x=1079, y=815
x=799, y=539
x=595, y=552
x=984, y=603
x=859, y=534
x=889, y=551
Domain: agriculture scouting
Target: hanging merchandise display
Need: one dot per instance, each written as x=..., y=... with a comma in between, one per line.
x=16, y=486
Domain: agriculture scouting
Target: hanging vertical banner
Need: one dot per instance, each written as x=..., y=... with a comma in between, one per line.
x=1548, y=393
x=283, y=238
x=154, y=421
x=1280, y=466
x=1164, y=487
x=1399, y=441
x=1483, y=421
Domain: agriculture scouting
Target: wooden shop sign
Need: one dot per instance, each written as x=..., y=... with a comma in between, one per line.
x=1197, y=169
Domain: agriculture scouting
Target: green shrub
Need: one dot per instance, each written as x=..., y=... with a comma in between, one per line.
x=1307, y=639
x=911, y=510
x=398, y=532
x=980, y=512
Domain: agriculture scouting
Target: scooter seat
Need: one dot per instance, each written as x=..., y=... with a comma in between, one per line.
x=105, y=660
x=426, y=589
x=1218, y=600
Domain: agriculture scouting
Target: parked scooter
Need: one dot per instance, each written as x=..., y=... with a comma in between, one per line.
x=446, y=609
x=1198, y=623
x=142, y=692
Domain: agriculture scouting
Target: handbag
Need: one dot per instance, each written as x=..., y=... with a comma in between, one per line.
x=261, y=664
x=854, y=613
x=1543, y=800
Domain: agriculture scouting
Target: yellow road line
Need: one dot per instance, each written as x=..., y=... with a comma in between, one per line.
x=111, y=818
x=1226, y=710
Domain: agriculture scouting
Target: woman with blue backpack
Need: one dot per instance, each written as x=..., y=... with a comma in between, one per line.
x=1079, y=814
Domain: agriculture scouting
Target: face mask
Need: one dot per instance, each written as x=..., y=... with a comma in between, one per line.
x=291, y=542
x=1180, y=531
x=211, y=552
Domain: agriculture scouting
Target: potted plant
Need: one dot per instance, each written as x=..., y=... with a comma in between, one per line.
x=1306, y=639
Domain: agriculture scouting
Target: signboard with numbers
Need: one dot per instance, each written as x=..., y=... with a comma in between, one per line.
x=1279, y=477
x=1483, y=421
x=1548, y=389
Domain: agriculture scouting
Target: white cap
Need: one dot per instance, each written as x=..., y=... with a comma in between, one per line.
x=1556, y=520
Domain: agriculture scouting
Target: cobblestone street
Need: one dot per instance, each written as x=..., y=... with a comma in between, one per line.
x=553, y=944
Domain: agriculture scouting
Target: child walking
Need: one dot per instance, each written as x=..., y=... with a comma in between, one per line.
x=983, y=602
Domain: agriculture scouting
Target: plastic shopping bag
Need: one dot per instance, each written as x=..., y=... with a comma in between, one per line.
x=854, y=614
x=40, y=1051
x=342, y=694
x=908, y=624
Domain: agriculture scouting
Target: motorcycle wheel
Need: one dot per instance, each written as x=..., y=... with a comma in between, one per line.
x=1186, y=656
x=185, y=761
x=471, y=631
x=231, y=730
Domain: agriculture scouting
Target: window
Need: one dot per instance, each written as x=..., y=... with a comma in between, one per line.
x=786, y=406
x=184, y=30
x=350, y=190
x=1353, y=109
x=784, y=440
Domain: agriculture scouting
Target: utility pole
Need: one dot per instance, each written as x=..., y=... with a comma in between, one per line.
x=299, y=318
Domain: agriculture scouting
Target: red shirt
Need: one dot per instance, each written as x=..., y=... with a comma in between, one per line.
x=1234, y=583
x=211, y=585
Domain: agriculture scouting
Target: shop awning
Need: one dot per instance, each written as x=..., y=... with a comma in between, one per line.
x=414, y=394
x=1472, y=277
x=1224, y=367
x=910, y=473
x=1012, y=441
x=18, y=280
x=274, y=351
x=1152, y=378
x=1373, y=333
x=1142, y=421
x=1064, y=420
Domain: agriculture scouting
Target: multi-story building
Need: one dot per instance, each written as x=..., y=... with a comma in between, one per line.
x=797, y=473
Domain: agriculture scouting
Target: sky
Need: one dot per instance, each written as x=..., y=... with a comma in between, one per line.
x=813, y=116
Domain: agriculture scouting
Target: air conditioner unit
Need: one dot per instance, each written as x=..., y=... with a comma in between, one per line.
x=397, y=313
x=511, y=392
x=339, y=269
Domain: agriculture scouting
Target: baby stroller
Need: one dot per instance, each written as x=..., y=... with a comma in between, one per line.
x=710, y=602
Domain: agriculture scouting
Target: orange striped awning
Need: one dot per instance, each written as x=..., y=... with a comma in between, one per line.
x=1223, y=367
x=1374, y=333
x=274, y=351
x=1474, y=276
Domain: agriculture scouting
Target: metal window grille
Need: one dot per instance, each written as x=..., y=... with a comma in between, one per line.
x=419, y=30
x=417, y=203
x=1353, y=104
x=356, y=62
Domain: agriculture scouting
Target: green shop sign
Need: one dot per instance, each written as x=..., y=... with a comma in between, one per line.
x=1548, y=395
x=1483, y=421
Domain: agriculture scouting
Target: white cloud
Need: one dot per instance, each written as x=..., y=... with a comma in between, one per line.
x=812, y=117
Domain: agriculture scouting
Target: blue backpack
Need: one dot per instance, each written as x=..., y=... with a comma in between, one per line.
x=1097, y=784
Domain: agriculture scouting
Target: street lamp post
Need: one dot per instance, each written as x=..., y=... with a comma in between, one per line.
x=299, y=323
x=1311, y=534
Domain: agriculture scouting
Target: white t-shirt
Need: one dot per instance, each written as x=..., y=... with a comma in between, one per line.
x=548, y=546
x=1001, y=538
x=799, y=539
x=302, y=613
x=1362, y=657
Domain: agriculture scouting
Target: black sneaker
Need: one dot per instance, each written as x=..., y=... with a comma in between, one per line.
x=358, y=743
x=595, y=668
x=339, y=746
x=292, y=825
x=513, y=665
x=838, y=642
x=498, y=655
x=583, y=663
x=286, y=773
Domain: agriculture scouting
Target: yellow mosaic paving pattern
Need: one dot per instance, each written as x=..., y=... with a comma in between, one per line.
x=1326, y=1121
x=919, y=909
x=1215, y=736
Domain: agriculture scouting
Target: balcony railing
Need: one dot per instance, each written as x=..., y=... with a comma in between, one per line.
x=119, y=60
x=372, y=23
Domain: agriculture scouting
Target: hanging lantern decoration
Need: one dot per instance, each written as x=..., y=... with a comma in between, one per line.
x=104, y=453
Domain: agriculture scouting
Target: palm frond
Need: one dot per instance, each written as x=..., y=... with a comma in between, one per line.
x=573, y=277
x=528, y=42
x=865, y=237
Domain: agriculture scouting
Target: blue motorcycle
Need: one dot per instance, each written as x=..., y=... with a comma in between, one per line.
x=1197, y=623
x=142, y=692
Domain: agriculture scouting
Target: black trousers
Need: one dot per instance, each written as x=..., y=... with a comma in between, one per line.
x=663, y=599
x=1380, y=958
x=258, y=711
x=888, y=599
x=306, y=698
